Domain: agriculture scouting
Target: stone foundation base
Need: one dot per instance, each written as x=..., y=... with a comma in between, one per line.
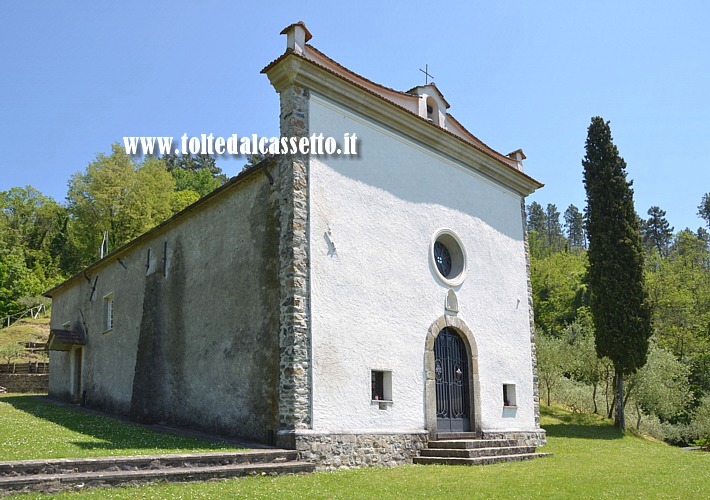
x=345, y=451
x=528, y=438
x=329, y=451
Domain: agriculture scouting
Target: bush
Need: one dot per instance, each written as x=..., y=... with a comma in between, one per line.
x=675, y=434
x=574, y=395
x=701, y=424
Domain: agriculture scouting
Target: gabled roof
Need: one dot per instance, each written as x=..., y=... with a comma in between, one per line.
x=404, y=100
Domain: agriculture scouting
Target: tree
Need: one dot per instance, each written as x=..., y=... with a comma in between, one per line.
x=254, y=159
x=660, y=387
x=618, y=299
x=574, y=224
x=679, y=293
x=657, y=232
x=690, y=249
x=587, y=367
x=119, y=195
x=11, y=351
x=701, y=423
x=553, y=229
x=194, y=163
x=31, y=223
x=558, y=289
x=537, y=228
x=16, y=280
x=536, y=218
x=198, y=173
x=197, y=181
x=552, y=361
x=704, y=209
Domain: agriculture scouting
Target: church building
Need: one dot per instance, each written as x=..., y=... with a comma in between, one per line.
x=352, y=307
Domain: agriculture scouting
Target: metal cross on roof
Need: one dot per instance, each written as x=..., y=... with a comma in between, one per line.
x=426, y=74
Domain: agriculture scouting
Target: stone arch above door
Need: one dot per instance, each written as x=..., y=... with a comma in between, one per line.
x=429, y=368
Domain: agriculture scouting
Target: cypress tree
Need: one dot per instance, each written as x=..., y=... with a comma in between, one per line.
x=618, y=300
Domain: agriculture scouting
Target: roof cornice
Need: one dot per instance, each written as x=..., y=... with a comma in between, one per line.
x=295, y=69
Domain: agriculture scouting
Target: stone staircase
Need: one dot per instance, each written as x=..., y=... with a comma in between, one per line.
x=466, y=449
x=78, y=473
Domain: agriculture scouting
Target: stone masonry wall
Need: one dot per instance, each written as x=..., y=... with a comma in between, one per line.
x=294, y=330
x=535, y=438
x=26, y=382
x=345, y=451
x=533, y=348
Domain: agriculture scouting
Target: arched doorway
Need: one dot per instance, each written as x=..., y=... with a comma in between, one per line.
x=450, y=345
x=451, y=368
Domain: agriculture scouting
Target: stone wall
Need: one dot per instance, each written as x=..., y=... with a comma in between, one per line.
x=26, y=382
x=345, y=451
x=195, y=334
x=294, y=300
x=533, y=347
x=529, y=438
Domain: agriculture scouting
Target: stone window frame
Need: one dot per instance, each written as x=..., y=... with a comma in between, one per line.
x=457, y=251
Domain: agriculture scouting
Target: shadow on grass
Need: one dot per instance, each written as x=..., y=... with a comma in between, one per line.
x=111, y=433
x=578, y=425
x=582, y=431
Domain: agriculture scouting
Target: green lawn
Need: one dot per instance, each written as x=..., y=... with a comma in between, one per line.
x=591, y=460
x=31, y=427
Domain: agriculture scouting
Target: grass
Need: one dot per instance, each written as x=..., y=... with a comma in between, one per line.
x=31, y=427
x=592, y=460
x=26, y=330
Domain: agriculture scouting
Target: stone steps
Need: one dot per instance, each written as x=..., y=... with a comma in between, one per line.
x=477, y=460
x=476, y=452
x=62, y=474
x=474, y=443
x=449, y=436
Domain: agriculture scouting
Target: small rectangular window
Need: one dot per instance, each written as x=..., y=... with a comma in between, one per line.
x=108, y=312
x=509, y=395
x=381, y=385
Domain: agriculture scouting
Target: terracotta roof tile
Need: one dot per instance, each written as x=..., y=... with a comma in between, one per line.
x=301, y=24
x=474, y=141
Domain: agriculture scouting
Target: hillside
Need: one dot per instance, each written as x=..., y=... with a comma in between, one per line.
x=26, y=330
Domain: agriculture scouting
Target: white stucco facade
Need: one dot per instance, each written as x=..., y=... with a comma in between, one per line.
x=375, y=291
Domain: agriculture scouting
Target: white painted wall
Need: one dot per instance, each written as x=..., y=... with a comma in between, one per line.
x=376, y=296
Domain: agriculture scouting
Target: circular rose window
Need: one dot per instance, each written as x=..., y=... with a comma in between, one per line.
x=448, y=256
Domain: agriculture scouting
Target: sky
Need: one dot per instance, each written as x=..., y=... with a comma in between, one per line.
x=78, y=76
